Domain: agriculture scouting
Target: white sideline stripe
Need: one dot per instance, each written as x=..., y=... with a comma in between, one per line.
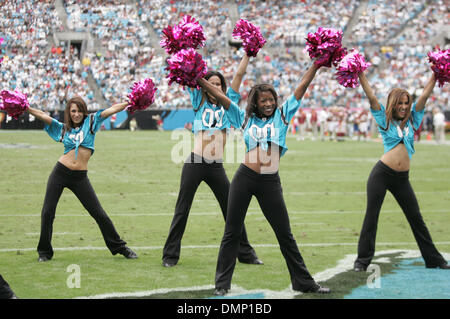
x=294, y=223
x=217, y=213
x=62, y=233
x=217, y=246
x=235, y=291
x=145, y=293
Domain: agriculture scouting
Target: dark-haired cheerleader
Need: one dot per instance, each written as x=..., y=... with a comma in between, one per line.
x=264, y=126
x=77, y=135
x=205, y=163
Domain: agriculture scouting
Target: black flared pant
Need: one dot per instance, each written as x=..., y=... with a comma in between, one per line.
x=196, y=170
x=381, y=179
x=79, y=184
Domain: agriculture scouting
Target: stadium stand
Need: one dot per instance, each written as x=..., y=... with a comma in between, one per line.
x=120, y=45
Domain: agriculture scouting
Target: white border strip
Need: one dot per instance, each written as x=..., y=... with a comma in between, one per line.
x=250, y=213
x=212, y=198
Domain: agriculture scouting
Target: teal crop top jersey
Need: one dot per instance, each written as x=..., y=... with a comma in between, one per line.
x=263, y=131
x=394, y=134
x=84, y=135
x=209, y=117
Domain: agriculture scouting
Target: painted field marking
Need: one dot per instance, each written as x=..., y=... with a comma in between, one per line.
x=343, y=265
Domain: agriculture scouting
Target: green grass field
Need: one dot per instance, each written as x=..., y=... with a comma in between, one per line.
x=137, y=184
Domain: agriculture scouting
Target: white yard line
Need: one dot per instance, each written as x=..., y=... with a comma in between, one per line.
x=140, y=194
x=61, y=233
x=215, y=213
x=217, y=246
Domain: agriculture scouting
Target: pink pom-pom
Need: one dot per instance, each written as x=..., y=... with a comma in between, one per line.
x=14, y=103
x=187, y=34
x=252, y=39
x=170, y=41
x=350, y=67
x=440, y=65
x=142, y=95
x=186, y=67
x=325, y=46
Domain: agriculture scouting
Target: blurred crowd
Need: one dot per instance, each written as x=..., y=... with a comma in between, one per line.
x=116, y=26
x=394, y=35
x=289, y=21
x=381, y=19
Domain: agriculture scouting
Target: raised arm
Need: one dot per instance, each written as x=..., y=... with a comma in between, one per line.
x=306, y=80
x=114, y=109
x=426, y=93
x=216, y=92
x=41, y=115
x=374, y=104
x=242, y=68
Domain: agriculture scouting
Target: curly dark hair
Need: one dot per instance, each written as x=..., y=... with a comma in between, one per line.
x=252, y=101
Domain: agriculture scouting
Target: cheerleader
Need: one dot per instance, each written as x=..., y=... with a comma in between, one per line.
x=77, y=135
x=5, y=290
x=396, y=124
x=264, y=126
x=205, y=163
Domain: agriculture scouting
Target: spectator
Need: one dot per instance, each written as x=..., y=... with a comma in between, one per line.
x=313, y=120
x=439, y=125
x=300, y=120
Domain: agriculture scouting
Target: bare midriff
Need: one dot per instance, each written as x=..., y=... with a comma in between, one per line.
x=210, y=144
x=80, y=163
x=397, y=158
x=263, y=161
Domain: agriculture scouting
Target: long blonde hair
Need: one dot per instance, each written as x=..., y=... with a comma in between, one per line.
x=393, y=98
